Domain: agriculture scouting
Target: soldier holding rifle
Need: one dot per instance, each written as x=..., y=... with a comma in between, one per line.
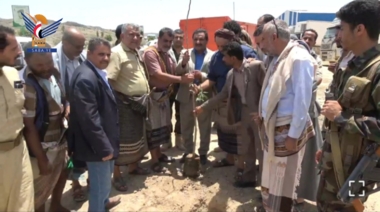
x=352, y=109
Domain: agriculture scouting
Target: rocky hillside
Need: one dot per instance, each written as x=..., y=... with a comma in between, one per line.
x=88, y=31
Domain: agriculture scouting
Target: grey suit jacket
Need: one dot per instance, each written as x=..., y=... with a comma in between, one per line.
x=183, y=94
x=254, y=73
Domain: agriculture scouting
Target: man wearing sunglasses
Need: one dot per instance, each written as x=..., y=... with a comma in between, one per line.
x=283, y=118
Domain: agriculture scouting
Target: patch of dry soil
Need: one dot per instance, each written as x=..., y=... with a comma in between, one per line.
x=213, y=192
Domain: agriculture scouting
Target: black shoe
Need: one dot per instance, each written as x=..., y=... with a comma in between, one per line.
x=203, y=159
x=242, y=184
x=182, y=160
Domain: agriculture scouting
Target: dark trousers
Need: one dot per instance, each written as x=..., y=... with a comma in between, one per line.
x=177, y=125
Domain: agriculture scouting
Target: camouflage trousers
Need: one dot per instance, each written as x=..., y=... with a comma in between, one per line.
x=327, y=200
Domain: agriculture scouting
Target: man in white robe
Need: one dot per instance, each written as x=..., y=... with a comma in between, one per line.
x=285, y=125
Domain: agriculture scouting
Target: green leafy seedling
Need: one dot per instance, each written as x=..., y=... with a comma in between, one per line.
x=202, y=96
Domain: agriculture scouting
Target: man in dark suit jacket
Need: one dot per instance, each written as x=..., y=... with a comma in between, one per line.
x=94, y=130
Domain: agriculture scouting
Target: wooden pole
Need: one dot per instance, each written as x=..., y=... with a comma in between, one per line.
x=233, y=11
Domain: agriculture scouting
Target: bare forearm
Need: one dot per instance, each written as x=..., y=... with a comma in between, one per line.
x=207, y=84
x=167, y=78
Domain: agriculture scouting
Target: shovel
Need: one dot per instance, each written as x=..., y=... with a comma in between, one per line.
x=191, y=166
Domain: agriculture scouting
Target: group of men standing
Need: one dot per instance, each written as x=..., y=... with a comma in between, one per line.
x=113, y=105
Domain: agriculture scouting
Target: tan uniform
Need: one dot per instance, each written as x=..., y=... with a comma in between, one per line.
x=16, y=176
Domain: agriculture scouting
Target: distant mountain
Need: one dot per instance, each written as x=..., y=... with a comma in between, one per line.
x=88, y=31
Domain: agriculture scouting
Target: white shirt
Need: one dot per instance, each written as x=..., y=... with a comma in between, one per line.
x=103, y=74
x=297, y=98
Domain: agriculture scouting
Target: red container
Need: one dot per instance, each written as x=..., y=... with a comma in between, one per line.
x=210, y=24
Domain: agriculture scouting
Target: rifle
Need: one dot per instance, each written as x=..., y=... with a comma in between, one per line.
x=353, y=189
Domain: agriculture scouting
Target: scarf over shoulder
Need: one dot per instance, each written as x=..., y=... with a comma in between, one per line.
x=282, y=71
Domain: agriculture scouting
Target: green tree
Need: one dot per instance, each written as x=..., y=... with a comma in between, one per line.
x=24, y=32
x=151, y=38
x=97, y=33
x=108, y=37
x=102, y=34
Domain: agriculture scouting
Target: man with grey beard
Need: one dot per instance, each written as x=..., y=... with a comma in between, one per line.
x=283, y=119
x=128, y=78
x=260, y=23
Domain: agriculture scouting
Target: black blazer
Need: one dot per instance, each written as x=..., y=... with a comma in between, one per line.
x=93, y=120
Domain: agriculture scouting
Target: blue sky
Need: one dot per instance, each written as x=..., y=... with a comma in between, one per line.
x=155, y=14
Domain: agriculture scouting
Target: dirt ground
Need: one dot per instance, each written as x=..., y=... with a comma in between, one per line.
x=213, y=192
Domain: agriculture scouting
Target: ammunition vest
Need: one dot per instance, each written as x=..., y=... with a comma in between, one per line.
x=347, y=145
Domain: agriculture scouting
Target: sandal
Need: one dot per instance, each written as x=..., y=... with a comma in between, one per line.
x=222, y=163
x=113, y=202
x=166, y=159
x=140, y=171
x=156, y=167
x=119, y=184
x=78, y=194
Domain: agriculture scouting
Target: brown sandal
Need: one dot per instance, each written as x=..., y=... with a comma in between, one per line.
x=113, y=202
x=119, y=184
x=78, y=194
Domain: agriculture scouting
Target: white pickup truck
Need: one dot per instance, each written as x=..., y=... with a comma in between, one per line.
x=23, y=40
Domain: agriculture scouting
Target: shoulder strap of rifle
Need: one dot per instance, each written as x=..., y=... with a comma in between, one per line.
x=373, y=65
x=336, y=155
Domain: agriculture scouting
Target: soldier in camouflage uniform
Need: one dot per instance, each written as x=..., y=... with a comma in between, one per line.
x=351, y=110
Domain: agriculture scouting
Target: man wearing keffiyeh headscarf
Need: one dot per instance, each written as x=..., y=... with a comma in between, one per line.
x=228, y=139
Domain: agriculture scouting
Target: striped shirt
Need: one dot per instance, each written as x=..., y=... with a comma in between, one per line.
x=51, y=88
